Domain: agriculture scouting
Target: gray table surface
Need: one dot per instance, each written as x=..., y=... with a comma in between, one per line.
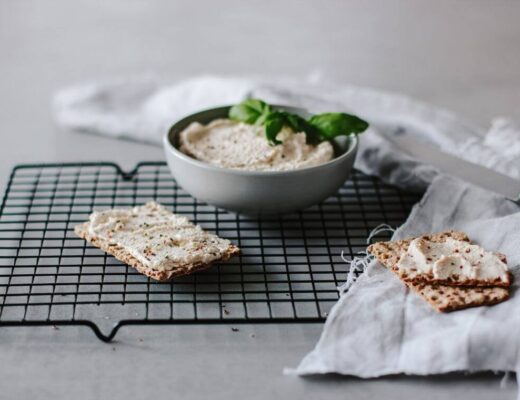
x=460, y=55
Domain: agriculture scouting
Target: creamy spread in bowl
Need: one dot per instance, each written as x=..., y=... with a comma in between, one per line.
x=236, y=145
x=250, y=181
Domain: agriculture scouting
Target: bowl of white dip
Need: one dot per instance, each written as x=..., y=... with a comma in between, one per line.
x=231, y=165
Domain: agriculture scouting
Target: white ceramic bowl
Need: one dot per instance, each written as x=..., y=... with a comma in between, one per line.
x=257, y=192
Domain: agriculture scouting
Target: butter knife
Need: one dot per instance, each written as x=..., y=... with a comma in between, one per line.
x=465, y=170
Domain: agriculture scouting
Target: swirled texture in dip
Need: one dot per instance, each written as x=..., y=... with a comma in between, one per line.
x=237, y=145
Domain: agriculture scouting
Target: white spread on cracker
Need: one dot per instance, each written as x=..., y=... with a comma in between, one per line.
x=237, y=145
x=156, y=237
x=451, y=258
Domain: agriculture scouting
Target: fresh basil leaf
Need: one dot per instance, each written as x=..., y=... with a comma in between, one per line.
x=258, y=105
x=300, y=124
x=249, y=111
x=273, y=125
x=262, y=118
x=295, y=122
x=331, y=125
x=318, y=128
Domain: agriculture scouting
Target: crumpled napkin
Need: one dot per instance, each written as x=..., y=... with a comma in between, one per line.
x=378, y=327
x=143, y=108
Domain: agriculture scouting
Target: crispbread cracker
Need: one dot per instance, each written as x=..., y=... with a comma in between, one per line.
x=440, y=297
x=123, y=255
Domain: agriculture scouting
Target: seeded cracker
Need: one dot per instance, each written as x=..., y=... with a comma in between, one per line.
x=154, y=241
x=440, y=297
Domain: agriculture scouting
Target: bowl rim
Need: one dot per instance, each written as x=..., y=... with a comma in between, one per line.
x=353, y=145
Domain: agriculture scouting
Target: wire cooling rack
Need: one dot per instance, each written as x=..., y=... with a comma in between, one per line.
x=288, y=270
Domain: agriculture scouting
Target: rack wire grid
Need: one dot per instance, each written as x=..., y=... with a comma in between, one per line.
x=288, y=271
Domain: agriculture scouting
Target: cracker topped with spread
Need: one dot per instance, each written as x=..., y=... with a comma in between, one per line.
x=155, y=241
x=477, y=284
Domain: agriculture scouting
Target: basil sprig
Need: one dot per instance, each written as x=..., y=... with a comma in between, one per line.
x=250, y=111
x=318, y=128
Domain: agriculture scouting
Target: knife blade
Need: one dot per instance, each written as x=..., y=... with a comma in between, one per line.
x=465, y=170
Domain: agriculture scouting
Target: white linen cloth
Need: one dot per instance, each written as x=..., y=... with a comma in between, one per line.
x=378, y=327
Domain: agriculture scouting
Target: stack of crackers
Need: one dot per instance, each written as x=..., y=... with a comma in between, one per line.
x=442, y=296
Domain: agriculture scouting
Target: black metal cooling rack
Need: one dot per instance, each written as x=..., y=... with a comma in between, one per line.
x=288, y=270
